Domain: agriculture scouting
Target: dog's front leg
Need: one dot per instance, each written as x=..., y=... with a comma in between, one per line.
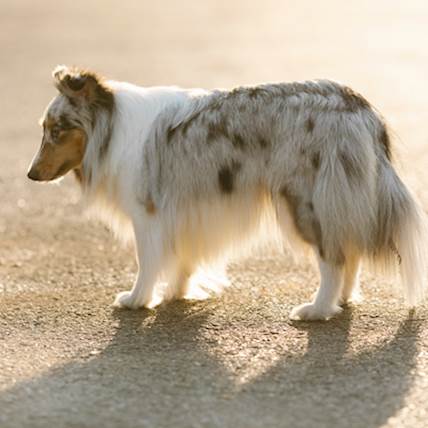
x=325, y=304
x=151, y=260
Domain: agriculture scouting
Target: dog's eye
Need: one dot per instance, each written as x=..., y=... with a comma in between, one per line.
x=55, y=132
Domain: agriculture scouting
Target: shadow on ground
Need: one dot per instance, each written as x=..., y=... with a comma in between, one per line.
x=158, y=371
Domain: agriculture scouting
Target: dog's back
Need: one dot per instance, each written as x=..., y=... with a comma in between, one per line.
x=317, y=151
x=196, y=172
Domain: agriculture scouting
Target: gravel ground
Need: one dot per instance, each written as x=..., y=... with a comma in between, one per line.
x=68, y=359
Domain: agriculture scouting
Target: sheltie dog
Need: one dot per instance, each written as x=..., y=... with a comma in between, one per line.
x=193, y=175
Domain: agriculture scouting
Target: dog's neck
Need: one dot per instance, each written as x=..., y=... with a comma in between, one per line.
x=117, y=139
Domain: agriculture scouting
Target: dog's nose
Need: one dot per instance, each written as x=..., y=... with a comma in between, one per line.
x=33, y=175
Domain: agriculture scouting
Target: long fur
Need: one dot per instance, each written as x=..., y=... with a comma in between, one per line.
x=195, y=174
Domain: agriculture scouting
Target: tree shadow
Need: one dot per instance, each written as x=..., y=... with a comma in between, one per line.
x=158, y=370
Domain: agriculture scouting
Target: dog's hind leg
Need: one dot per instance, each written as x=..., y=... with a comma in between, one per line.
x=178, y=282
x=195, y=284
x=325, y=304
x=296, y=215
x=351, y=292
x=152, y=259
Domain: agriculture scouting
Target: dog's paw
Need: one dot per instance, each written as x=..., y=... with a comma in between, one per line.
x=125, y=299
x=310, y=312
x=195, y=293
x=355, y=298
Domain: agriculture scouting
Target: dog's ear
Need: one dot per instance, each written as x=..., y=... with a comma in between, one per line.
x=81, y=85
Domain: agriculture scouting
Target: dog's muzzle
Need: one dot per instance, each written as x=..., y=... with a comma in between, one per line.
x=32, y=174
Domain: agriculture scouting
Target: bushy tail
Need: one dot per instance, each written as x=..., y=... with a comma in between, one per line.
x=363, y=206
x=401, y=233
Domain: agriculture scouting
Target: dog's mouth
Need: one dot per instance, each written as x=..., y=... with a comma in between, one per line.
x=35, y=175
x=67, y=166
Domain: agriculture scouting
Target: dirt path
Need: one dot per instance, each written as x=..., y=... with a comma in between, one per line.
x=67, y=359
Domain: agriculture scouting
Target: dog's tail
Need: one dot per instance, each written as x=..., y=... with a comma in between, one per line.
x=363, y=205
x=401, y=233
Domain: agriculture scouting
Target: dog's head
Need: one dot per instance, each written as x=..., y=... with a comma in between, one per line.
x=68, y=121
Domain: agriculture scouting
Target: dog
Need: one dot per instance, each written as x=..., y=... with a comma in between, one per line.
x=193, y=175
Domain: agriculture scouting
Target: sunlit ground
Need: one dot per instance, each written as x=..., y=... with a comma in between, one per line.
x=67, y=359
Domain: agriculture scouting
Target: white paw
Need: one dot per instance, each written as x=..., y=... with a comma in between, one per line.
x=196, y=293
x=355, y=298
x=124, y=299
x=310, y=312
x=209, y=281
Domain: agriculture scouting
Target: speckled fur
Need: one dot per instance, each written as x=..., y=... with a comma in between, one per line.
x=195, y=173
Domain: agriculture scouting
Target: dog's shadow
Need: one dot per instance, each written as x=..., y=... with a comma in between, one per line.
x=158, y=371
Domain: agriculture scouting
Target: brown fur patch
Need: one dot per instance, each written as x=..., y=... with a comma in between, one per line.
x=78, y=173
x=353, y=100
x=49, y=122
x=55, y=160
x=263, y=143
x=316, y=160
x=309, y=125
x=237, y=141
x=255, y=91
x=226, y=177
x=85, y=85
x=216, y=131
x=150, y=205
